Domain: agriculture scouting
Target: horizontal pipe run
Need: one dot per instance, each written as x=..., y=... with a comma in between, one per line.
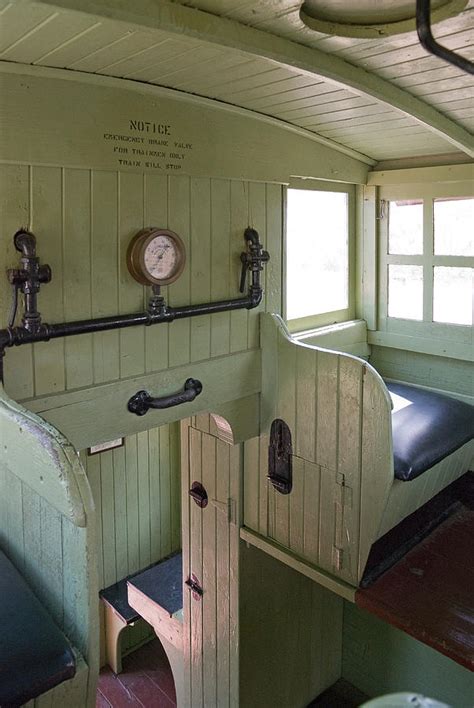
x=17, y=336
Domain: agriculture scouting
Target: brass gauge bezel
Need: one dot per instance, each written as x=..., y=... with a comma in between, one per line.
x=136, y=256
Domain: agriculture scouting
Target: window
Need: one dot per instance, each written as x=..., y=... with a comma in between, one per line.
x=318, y=255
x=427, y=261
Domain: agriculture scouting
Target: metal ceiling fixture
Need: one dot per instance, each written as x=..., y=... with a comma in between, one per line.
x=423, y=27
x=371, y=18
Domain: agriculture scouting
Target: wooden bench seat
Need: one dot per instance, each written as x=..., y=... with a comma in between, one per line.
x=161, y=584
x=35, y=656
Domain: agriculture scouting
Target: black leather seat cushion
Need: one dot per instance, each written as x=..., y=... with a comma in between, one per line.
x=426, y=427
x=34, y=654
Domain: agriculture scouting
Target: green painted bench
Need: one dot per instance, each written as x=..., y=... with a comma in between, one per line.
x=47, y=531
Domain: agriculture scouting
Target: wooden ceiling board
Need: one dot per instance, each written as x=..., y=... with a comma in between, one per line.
x=75, y=49
x=198, y=79
x=178, y=59
x=15, y=24
x=36, y=44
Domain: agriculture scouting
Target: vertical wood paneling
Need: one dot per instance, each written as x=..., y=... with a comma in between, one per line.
x=222, y=579
x=130, y=220
x=305, y=429
x=108, y=517
x=14, y=213
x=185, y=435
x=144, y=499
x=46, y=222
x=131, y=462
x=120, y=511
x=329, y=401
x=263, y=485
x=156, y=214
x=200, y=265
x=251, y=500
x=257, y=220
x=327, y=410
x=159, y=499
x=238, y=224
x=136, y=489
x=209, y=548
x=196, y=558
x=234, y=521
x=180, y=292
x=311, y=510
x=273, y=269
x=104, y=275
x=349, y=471
x=220, y=264
x=76, y=273
x=84, y=222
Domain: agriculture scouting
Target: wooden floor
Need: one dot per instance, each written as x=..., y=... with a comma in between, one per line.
x=429, y=593
x=146, y=681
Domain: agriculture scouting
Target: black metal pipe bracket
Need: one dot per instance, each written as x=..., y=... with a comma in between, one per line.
x=423, y=28
x=141, y=402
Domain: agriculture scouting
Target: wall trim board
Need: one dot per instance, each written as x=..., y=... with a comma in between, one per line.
x=224, y=124
x=437, y=347
x=339, y=587
x=92, y=415
x=420, y=175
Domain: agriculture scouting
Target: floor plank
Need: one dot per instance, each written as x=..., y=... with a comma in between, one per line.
x=430, y=592
x=145, y=682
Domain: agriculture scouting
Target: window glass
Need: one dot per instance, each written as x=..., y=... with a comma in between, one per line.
x=405, y=227
x=453, y=295
x=405, y=291
x=453, y=227
x=317, y=265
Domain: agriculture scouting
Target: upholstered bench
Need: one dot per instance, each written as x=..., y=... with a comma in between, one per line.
x=34, y=654
x=426, y=427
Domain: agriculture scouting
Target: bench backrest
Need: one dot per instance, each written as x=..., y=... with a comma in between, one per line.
x=47, y=523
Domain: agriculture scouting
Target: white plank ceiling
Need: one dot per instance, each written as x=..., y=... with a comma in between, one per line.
x=43, y=34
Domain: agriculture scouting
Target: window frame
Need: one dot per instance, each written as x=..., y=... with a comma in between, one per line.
x=425, y=328
x=305, y=324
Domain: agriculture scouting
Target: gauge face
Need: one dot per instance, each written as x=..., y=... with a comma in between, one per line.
x=156, y=256
x=160, y=257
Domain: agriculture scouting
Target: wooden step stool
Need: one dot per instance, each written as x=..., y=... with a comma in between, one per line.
x=157, y=596
x=163, y=582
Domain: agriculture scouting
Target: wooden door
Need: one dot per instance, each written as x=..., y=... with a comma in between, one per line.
x=211, y=558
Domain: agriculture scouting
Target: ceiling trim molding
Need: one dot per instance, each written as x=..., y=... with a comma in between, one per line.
x=181, y=20
x=48, y=72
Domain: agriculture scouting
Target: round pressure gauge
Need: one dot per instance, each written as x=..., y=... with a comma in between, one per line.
x=156, y=256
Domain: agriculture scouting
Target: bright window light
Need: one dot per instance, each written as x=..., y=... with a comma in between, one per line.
x=317, y=262
x=405, y=292
x=453, y=295
x=405, y=227
x=453, y=227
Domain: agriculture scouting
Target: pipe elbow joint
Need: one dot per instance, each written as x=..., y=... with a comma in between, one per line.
x=25, y=243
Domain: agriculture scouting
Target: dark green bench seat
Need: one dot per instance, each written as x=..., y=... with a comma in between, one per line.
x=34, y=654
x=426, y=427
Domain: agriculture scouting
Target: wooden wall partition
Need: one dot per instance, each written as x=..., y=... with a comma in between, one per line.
x=262, y=633
x=338, y=411
x=84, y=221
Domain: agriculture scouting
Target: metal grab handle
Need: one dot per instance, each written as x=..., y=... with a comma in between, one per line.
x=142, y=401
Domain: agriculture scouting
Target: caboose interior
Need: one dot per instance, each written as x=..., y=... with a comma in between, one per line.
x=299, y=514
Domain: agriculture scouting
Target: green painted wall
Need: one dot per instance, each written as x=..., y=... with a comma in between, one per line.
x=379, y=659
x=424, y=369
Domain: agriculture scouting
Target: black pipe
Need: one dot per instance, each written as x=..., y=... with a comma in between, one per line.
x=43, y=332
x=16, y=336
x=423, y=28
